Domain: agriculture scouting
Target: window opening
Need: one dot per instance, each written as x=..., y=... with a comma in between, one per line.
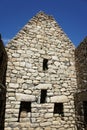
x=45, y=64
x=24, y=107
x=85, y=111
x=58, y=109
x=43, y=96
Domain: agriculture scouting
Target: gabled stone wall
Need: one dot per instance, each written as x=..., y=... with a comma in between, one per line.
x=41, y=78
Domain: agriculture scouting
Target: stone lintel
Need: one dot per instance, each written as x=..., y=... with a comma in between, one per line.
x=44, y=86
x=59, y=99
x=25, y=97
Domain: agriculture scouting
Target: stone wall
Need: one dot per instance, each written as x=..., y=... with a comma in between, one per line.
x=3, y=66
x=41, y=78
x=81, y=63
x=3, y=62
x=81, y=95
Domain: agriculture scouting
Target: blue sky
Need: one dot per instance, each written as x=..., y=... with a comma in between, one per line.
x=70, y=14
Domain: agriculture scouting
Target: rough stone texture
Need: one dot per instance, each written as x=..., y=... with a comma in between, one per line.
x=59, y=99
x=41, y=38
x=81, y=94
x=25, y=97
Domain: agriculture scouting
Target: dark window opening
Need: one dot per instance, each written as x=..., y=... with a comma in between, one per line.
x=43, y=96
x=45, y=64
x=1, y=59
x=85, y=111
x=24, y=106
x=58, y=109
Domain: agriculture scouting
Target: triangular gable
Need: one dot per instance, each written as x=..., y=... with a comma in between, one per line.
x=38, y=23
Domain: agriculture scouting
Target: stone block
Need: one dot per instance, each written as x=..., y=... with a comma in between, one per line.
x=23, y=114
x=16, y=128
x=8, y=128
x=47, y=128
x=48, y=115
x=45, y=124
x=13, y=85
x=16, y=55
x=44, y=86
x=25, y=97
x=59, y=99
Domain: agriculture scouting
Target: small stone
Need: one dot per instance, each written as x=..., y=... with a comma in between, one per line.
x=23, y=114
x=13, y=85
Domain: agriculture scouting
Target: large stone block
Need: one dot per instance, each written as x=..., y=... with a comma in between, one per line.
x=59, y=99
x=44, y=86
x=25, y=97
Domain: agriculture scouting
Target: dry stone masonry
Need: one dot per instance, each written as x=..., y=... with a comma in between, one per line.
x=41, y=78
x=81, y=95
x=46, y=79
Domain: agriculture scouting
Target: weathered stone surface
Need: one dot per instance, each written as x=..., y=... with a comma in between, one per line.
x=23, y=114
x=8, y=128
x=45, y=124
x=25, y=97
x=59, y=99
x=48, y=115
x=44, y=86
x=81, y=70
x=47, y=128
x=40, y=39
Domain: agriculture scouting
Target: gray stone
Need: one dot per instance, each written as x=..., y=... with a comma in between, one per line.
x=40, y=39
x=25, y=97
x=59, y=99
x=13, y=85
x=44, y=86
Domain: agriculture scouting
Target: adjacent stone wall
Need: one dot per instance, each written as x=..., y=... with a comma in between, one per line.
x=81, y=63
x=40, y=39
x=3, y=62
x=81, y=95
x=3, y=66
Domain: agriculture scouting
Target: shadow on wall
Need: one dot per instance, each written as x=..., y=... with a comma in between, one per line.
x=81, y=95
x=3, y=68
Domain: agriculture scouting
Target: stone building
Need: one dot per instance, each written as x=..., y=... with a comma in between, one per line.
x=81, y=94
x=41, y=78
x=3, y=67
x=46, y=79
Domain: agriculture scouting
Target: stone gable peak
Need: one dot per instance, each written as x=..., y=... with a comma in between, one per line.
x=43, y=27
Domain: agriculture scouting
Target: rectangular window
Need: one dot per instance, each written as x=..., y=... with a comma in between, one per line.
x=85, y=111
x=43, y=96
x=58, y=109
x=45, y=64
x=24, y=107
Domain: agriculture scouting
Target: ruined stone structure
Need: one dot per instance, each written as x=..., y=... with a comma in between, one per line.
x=81, y=95
x=43, y=78
x=3, y=66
